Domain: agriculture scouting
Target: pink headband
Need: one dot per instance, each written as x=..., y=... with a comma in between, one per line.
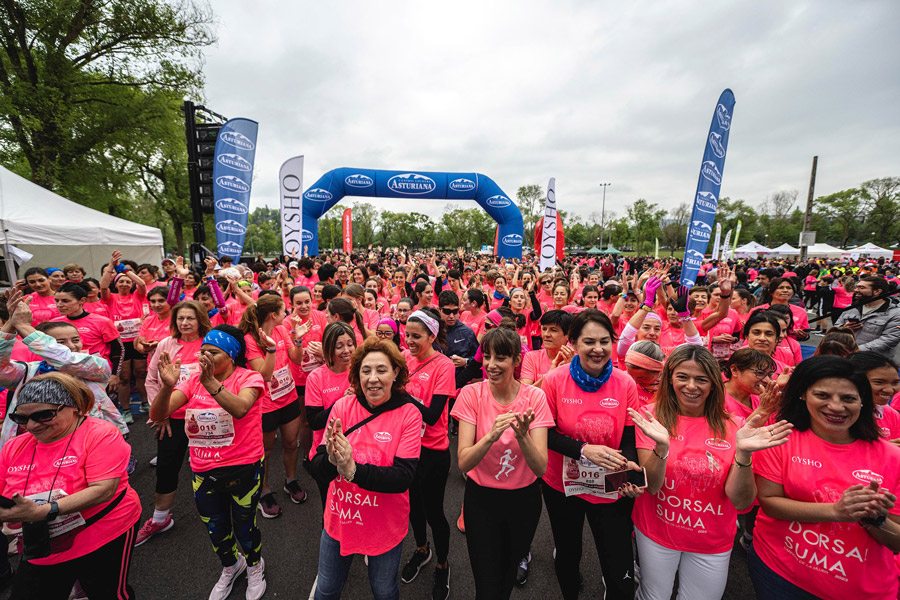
x=494, y=317
x=643, y=361
x=390, y=323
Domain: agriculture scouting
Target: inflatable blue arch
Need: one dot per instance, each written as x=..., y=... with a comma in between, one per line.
x=413, y=185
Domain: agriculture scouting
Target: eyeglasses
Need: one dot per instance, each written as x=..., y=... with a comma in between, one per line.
x=450, y=311
x=38, y=416
x=384, y=334
x=760, y=374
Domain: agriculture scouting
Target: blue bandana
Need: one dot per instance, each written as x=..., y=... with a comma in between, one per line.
x=44, y=367
x=223, y=341
x=499, y=296
x=585, y=381
x=212, y=313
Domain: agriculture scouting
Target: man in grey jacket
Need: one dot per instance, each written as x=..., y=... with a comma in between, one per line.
x=877, y=322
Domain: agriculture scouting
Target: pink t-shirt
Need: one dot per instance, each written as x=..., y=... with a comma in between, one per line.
x=245, y=445
x=154, y=329
x=592, y=417
x=475, y=323
x=801, y=320
x=96, y=452
x=435, y=375
x=189, y=355
x=842, y=298
x=810, y=283
x=888, y=421
x=43, y=308
x=280, y=390
x=363, y=521
x=324, y=388
x=830, y=560
x=319, y=322
x=671, y=337
x=96, y=333
x=535, y=365
x=691, y=513
x=737, y=409
x=788, y=352
x=97, y=308
x=504, y=466
x=127, y=313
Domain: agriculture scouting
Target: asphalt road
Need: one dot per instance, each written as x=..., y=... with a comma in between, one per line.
x=180, y=564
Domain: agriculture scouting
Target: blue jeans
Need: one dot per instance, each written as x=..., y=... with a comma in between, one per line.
x=769, y=585
x=384, y=571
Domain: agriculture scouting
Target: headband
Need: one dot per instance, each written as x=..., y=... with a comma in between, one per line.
x=52, y=270
x=494, y=317
x=427, y=320
x=224, y=342
x=45, y=391
x=390, y=323
x=643, y=361
x=653, y=315
x=514, y=290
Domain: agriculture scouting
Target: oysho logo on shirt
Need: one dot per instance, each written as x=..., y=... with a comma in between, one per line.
x=807, y=462
x=382, y=436
x=66, y=461
x=329, y=390
x=718, y=444
x=609, y=403
x=19, y=468
x=571, y=400
x=867, y=476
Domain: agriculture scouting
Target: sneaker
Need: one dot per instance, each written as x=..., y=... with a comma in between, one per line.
x=460, y=524
x=269, y=507
x=126, y=416
x=151, y=528
x=441, y=588
x=132, y=464
x=522, y=571
x=226, y=580
x=145, y=408
x=153, y=461
x=295, y=492
x=256, y=581
x=416, y=562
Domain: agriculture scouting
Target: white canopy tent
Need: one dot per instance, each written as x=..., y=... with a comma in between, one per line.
x=57, y=231
x=870, y=250
x=824, y=250
x=786, y=250
x=751, y=250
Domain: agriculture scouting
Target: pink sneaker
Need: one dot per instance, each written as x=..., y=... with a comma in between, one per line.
x=149, y=529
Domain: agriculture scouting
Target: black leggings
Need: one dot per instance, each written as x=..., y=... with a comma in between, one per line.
x=611, y=526
x=426, y=500
x=103, y=574
x=500, y=525
x=170, y=452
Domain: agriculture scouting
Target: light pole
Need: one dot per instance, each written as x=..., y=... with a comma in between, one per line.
x=603, y=213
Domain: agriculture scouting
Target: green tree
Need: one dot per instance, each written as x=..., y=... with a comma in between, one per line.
x=365, y=220
x=731, y=211
x=883, y=219
x=644, y=218
x=263, y=232
x=674, y=232
x=530, y=200
x=466, y=227
x=77, y=81
x=331, y=228
x=844, y=210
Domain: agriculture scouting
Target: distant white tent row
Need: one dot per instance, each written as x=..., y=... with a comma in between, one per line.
x=751, y=250
x=786, y=250
x=870, y=250
x=56, y=231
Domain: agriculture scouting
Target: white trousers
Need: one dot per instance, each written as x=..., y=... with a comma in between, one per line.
x=700, y=576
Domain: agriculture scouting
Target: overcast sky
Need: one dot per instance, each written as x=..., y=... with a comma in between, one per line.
x=587, y=92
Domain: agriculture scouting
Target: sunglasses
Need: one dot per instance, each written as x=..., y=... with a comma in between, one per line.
x=450, y=311
x=38, y=416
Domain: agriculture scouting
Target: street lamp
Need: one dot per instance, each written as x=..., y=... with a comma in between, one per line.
x=603, y=213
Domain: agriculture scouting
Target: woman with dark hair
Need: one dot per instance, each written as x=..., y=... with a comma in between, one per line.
x=503, y=450
x=473, y=313
x=93, y=304
x=226, y=453
x=368, y=458
x=98, y=334
x=423, y=293
x=748, y=372
x=341, y=309
x=328, y=384
x=590, y=296
x=762, y=332
x=885, y=382
x=389, y=329
x=828, y=525
x=788, y=349
x=155, y=327
x=742, y=301
x=780, y=291
x=837, y=341
x=698, y=461
x=303, y=314
x=555, y=349
x=43, y=304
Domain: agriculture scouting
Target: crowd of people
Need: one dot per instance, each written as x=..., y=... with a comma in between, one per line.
x=679, y=423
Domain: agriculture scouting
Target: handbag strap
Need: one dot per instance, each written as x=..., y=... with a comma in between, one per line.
x=361, y=423
x=106, y=509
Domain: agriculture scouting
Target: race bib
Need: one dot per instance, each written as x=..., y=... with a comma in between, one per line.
x=62, y=523
x=281, y=383
x=720, y=350
x=208, y=427
x=581, y=476
x=187, y=371
x=128, y=328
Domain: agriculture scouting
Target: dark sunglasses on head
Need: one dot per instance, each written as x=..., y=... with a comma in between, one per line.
x=38, y=416
x=450, y=311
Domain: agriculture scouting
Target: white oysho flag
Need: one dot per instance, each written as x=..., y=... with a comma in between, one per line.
x=727, y=244
x=548, y=241
x=290, y=184
x=715, y=250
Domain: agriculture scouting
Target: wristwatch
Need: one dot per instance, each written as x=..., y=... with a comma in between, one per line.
x=54, y=511
x=272, y=350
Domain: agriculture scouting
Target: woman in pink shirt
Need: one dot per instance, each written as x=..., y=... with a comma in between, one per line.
x=155, y=327
x=67, y=476
x=226, y=452
x=98, y=334
x=780, y=291
x=472, y=313
x=588, y=400
x=882, y=375
x=829, y=525
x=843, y=296
x=503, y=449
x=328, y=384
x=368, y=457
x=699, y=475
x=747, y=373
x=555, y=349
x=43, y=304
x=644, y=363
x=788, y=350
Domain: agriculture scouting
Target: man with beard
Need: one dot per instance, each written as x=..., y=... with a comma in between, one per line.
x=877, y=322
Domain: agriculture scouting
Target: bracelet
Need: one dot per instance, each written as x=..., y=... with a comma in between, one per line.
x=725, y=297
x=661, y=457
x=646, y=308
x=221, y=387
x=352, y=475
x=878, y=522
x=683, y=319
x=742, y=465
x=272, y=350
x=623, y=295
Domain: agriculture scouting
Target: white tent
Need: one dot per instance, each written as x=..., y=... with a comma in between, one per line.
x=786, y=250
x=870, y=250
x=751, y=250
x=58, y=231
x=824, y=250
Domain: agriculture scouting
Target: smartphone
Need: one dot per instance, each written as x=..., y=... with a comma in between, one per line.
x=613, y=481
x=853, y=320
x=6, y=502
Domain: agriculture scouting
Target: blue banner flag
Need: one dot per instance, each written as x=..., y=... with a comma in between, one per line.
x=706, y=201
x=232, y=176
